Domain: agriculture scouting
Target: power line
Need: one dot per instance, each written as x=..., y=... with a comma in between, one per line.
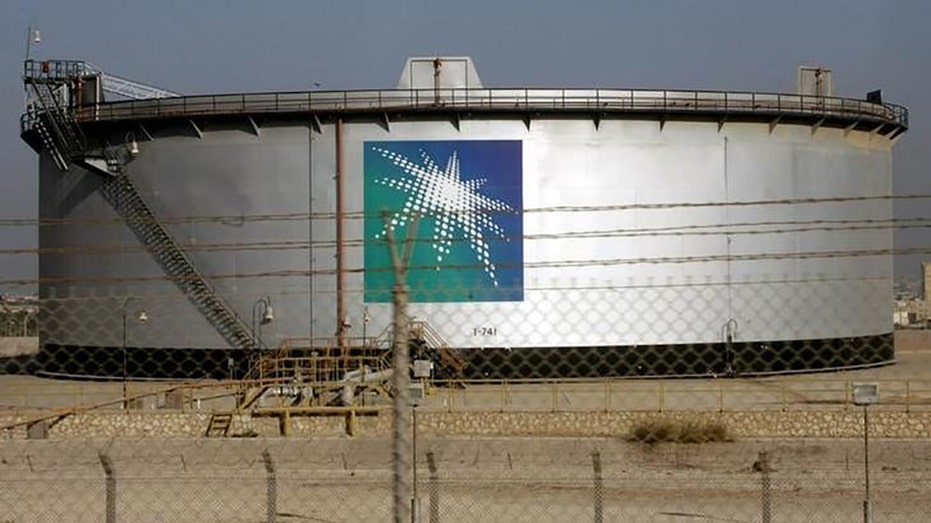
x=607, y=262
x=236, y=220
x=733, y=229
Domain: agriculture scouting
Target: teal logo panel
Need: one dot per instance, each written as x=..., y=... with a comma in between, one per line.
x=468, y=197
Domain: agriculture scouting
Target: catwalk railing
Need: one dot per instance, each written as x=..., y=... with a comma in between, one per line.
x=596, y=101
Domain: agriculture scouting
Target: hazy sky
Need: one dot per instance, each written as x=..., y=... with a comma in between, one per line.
x=216, y=46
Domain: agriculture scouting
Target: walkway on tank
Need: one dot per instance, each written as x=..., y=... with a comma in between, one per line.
x=602, y=101
x=889, y=120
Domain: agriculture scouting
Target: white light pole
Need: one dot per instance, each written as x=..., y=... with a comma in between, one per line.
x=262, y=314
x=415, y=503
x=365, y=323
x=864, y=395
x=32, y=37
x=142, y=317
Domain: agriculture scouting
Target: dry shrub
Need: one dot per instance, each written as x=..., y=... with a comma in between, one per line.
x=679, y=431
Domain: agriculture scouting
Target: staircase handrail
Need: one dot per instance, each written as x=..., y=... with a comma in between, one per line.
x=436, y=341
x=241, y=336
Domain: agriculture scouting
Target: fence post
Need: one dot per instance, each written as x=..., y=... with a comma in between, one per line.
x=598, y=487
x=110, y=474
x=765, y=480
x=401, y=437
x=434, y=489
x=415, y=503
x=271, y=488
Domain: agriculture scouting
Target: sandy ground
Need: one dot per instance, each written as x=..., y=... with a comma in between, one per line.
x=533, y=480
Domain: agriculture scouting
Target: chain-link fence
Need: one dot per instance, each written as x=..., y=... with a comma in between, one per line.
x=307, y=433
x=642, y=388
x=459, y=479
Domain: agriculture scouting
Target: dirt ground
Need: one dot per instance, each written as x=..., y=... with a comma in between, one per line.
x=491, y=479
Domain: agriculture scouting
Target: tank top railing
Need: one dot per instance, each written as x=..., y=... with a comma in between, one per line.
x=504, y=100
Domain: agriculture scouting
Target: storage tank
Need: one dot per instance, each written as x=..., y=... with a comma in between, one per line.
x=559, y=232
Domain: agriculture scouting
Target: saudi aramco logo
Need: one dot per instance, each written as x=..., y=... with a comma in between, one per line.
x=469, y=241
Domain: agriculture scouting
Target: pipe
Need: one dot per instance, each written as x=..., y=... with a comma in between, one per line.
x=437, y=68
x=348, y=391
x=359, y=377
x=340, y=244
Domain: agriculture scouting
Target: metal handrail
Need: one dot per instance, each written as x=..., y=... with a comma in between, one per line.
x=601, y=101
x=904, y=395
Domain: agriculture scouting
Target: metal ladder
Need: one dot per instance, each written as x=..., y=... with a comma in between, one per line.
x=56, y=125
x=58, y=129
x=120, y=192
x=219, y=424
x=49, y=144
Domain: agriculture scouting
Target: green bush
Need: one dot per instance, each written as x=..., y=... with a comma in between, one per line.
x=679, y=431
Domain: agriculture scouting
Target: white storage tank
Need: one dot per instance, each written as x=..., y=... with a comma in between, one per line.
x=562, y=232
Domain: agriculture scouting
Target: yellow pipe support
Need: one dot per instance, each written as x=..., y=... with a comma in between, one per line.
x=318, y=411
x=284, y=423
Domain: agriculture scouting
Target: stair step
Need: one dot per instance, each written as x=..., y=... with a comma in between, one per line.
x=219, y=424
x=129, y=204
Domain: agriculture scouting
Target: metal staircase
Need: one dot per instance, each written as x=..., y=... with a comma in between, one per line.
x=122, y=195
x=55, y=95
x=53, y=88
x=447, y=357
x=56, y=125
x=219, y=424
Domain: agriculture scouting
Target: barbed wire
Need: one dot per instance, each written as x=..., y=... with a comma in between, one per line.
x=732, y=229
x=357, y=215
x=528, y=288
x=591, y=262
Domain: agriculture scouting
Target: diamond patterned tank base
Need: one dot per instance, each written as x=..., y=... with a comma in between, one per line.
x=695, y=360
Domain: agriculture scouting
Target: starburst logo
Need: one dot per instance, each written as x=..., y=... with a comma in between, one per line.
x=467, y=194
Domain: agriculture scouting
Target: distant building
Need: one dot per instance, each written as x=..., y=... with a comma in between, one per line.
x=912, y=311
x=926, y=280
